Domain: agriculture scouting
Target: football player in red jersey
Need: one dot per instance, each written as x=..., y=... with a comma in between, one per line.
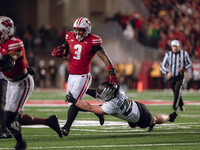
x=82, y=45
x=13, y=65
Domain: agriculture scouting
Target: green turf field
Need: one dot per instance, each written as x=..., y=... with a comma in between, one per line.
x=86, y=133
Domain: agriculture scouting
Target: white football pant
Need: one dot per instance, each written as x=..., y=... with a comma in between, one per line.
x=78, y=85
x=18, y=93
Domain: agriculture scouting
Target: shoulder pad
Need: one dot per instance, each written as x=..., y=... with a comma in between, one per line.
x=96, y=40
x=15, y=43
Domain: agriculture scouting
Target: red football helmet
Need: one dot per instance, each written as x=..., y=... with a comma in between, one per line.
x=6, y=28
x=82, y=23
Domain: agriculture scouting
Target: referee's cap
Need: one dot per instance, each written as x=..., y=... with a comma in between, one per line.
x=175, y=43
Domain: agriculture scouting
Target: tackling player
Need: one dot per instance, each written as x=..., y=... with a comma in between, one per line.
x=82, y=45
x=116, y=103
x=13, y=65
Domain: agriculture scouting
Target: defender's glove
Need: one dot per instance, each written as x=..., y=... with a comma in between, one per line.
x=112, y=75
x=7, y=62
x=70, y=98
x=60, y=51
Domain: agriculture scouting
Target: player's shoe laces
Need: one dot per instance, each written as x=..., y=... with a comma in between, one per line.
x=173, y=116
x=150, y=128
x=65, y=131
x=52, y=122
x=101, y=119
x=20, y=146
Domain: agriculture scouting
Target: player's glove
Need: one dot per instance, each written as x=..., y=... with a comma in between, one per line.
x=59, y=51
x=112, y=75
x=70, y=98
x=7, y=62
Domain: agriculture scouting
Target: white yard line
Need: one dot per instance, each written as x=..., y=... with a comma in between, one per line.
x=111, y=146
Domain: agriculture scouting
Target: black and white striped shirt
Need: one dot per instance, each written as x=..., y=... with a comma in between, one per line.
x=173, y=61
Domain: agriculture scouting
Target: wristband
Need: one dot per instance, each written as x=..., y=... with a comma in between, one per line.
x=112, y=72
x=110, y=67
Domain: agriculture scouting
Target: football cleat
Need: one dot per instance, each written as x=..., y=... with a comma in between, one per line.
x=52, y=122
x=5, y=135
x=101, y=118
x=172, y=116
x=20, y=146
x=150, y=128
x=65, y=131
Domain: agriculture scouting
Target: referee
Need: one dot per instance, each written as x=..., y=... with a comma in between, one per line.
x=173, y=65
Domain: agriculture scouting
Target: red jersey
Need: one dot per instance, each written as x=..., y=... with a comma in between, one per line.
x=14, y=44
x=81, y=53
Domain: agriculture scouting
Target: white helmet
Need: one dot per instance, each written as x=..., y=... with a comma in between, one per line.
x=6, y=28
x=82, y=23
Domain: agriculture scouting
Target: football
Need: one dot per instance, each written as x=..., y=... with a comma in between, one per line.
x=60, y=51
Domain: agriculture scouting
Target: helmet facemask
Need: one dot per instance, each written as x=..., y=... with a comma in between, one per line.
x=79, y=36
x=106, y=91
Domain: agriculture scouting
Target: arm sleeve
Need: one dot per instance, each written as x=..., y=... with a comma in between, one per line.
x=91, y=92
x=187, y=61
x=66, y=45
x=163, y=65
x=96, y=48
x=108, y=108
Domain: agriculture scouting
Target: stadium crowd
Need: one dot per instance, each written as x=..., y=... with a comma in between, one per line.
x=172, y=19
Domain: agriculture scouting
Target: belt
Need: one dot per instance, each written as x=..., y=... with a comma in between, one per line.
x=18, y=79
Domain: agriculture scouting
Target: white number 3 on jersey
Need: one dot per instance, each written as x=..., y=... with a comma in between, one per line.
x=78, y=49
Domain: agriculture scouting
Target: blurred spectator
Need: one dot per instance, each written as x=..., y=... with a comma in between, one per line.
x=63, y=72
x=124, y=21
x=120, y=72
x=31, y=62
x=31, y=59
x=195, y=82
x=53, y=34
x=37, y=41
x=43, y=32
x=28, y=37
x=42, y=72
x=52, y=69
x=61, y=36
x=167, y=20
x=129, y=32
x=129, y=73
x=156, y=76
x=197, y=51
x=116, y=17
